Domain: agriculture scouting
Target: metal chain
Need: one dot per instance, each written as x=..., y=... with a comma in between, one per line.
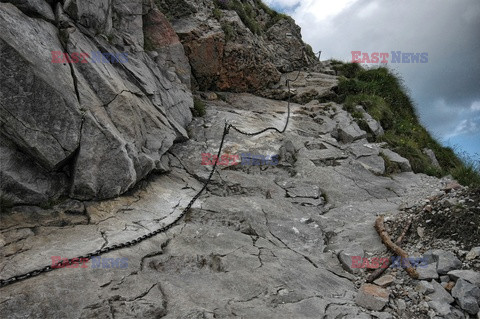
x=104, y=250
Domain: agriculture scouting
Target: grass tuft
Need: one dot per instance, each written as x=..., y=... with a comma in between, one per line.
x=249, y=14
x=198, y=108
x=384, y=97
x=468, y=173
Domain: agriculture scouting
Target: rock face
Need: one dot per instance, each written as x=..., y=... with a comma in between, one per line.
x=87, y=130
x=237, y=45
x=93, y=130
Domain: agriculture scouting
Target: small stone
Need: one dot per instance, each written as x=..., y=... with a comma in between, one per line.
x=71, y=206
x=402, y=162
x=401, y=305
x=423, y=305
x=445, y=260
x=412, y=295
x=440, y=294
x=449, y=285
x=384, y=281
x=427, y=272
x=452, y=186
x=444, y=278
x=469, y=275
x=381, y=315
x=431, y=155
x=467, y=296
x=209, y=96
x=441, y=308
x=346, y=255
x=424, y=287
x=474, y=253
x=449, y=202
x=372, y=297
x=421, y=232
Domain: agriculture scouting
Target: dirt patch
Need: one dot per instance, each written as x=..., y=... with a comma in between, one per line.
x=450, y=221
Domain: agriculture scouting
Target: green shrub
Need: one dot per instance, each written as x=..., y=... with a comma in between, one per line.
x=229, y=31
x=468, y=173
x=349, y=70
x=198, y=108
x=334, y=62
x=148, y=44
x=374, y=105
x=217, y=13
x=309, y=50
x=222, y=97
x=248, y=14
x=390, y=167
x=384, y=97
x=357, y=114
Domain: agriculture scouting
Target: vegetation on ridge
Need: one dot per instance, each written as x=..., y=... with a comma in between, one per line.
x=199, y=108
x=248, y=14
x=384, y=97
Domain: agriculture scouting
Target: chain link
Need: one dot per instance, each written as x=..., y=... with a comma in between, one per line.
x=63, y=263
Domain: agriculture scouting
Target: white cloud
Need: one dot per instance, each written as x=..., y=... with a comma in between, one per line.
x=466, y=127
x=475, y=106
x=319, y=9
x=322, y=9
x=368, y=11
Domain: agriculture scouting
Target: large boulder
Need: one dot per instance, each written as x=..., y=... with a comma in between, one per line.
x=467, y=296
x=87, y=130
x=34, y=7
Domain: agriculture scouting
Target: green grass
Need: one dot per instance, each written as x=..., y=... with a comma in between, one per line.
x=148, y=44
x=248, y=14
x=390, y=167
x=222, y=97
x=348, y=70
x=198, y=107
x=469, y=173
x=309, y=51
x=229, y=31
x=217, y=13
x=384, y=97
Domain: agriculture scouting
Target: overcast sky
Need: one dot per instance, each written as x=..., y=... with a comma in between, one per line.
x=446, y=89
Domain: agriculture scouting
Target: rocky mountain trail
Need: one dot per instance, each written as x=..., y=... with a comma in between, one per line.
x=99, y=154
x=246, y=241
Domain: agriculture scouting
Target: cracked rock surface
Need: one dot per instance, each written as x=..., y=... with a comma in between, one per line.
x=261, y=242
x=84, y=130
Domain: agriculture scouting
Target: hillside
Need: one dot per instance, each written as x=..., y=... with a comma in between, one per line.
x=112, y=113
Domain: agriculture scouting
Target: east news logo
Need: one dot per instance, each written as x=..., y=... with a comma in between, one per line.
x=97, y=262
x=382, y=57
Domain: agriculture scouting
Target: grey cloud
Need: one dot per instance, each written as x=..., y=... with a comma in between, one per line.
x=448, y=30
